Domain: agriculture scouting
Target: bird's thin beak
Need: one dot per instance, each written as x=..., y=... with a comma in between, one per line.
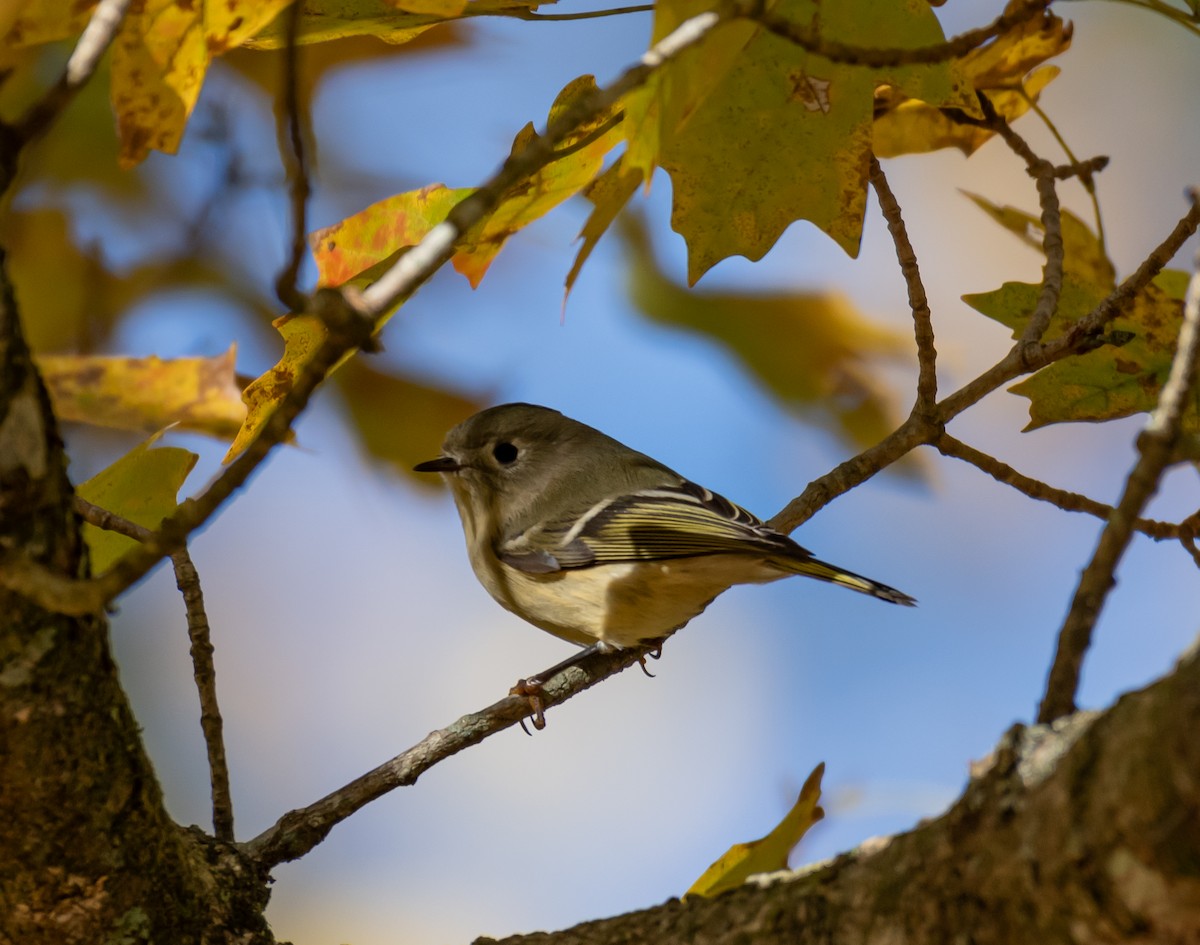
x=443, y=464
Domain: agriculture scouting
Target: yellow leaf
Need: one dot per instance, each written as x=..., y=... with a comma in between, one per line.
x=141, y=486
x=910, y=126
x=302, y=336
x=31, y=22
x=904, y=124
x=391, y=21
x=160, y=57
x=769, y=854
x=199, y=394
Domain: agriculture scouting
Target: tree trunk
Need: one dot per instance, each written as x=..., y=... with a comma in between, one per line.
x=1084, y=832
x=87, y=852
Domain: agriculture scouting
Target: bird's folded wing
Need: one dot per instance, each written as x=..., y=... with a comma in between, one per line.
x=665, y=522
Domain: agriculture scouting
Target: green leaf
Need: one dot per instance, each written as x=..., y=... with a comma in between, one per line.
x=783, y=135
x=1115, y=380
x=141, y=486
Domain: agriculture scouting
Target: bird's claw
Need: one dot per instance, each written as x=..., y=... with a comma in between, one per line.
x=531, y=689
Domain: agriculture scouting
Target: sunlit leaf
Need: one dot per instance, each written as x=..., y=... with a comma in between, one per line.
x=812, y=350
x=904, y=124
x=392, y=22
x=363, y=244
x=769, y=854
x=302, y=336
x=141, y=486
x=31, y=22
x=199, y=394
x=1117, y=379
x=370, y=238
x=399, y=420
x=909, y=126
x=733, y=194
x=160, y=57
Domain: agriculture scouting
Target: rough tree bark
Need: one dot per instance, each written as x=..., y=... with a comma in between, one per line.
x=1084, y=832
x=87, y=851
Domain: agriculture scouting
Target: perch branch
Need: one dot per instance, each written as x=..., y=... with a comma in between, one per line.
x=299, y=831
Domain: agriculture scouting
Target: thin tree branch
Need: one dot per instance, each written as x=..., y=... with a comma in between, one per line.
x=808, y=37
x=97, y=36
x=918, y=302
x=188, y=581
x=1043, y=173
x=1036, y=489
x=1155, y=444
x=290, y=133
x=299, y=831
x=522, y=13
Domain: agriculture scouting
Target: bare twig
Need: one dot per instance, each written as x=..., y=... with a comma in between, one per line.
x=291, y=152
x=299, y=831
x=1043, y=172
x=808, y=37
x=97, y=36
x=918, y=302
x=1155, y=444
x=1036, y=489
x=188, y=581
x=523, y=13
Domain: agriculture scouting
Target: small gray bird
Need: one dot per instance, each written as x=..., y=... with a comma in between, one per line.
x=600, y=544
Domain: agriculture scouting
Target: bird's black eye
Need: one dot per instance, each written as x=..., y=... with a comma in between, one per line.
x=505, y=453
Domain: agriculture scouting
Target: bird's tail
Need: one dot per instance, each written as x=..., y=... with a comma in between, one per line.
x=815, y=568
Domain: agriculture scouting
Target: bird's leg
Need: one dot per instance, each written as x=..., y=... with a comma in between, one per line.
x=532, y=687
x=655, y=653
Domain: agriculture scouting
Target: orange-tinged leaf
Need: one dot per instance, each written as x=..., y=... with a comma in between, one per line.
x=302, y=336
x=124, y=393
x=813, y=351
x=608, y=193
x=770, y=853
x=141, y=486
x=369, y=238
